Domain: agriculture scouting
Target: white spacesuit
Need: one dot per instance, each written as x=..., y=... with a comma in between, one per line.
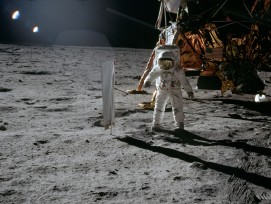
x=170, y=78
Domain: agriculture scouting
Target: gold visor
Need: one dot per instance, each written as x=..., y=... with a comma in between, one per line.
x=166, y=63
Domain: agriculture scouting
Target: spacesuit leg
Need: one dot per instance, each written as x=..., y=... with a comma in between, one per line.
x=159, y=109
x=177, y=107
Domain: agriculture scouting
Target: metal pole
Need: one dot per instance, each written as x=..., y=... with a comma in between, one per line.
x=220, y=8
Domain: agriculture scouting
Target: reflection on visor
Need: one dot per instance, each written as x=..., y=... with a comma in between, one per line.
x=166, y=63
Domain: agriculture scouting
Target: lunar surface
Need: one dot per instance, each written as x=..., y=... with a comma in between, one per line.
x=54, y=149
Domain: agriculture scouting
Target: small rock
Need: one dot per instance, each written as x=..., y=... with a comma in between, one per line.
x=230, y=135
x=197, y=165
x=177, y=178
x=3, y=128
x=145, y=188
x=113, y=172
x=98, y=123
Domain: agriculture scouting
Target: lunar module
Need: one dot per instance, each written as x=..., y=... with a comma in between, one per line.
x=225, y=42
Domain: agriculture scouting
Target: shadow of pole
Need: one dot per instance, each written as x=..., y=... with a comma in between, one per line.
x=237, y=172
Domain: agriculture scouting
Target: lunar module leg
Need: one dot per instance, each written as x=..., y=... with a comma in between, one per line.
x=149, y=105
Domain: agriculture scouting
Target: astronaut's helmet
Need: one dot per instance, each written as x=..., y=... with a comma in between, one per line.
x=166, y=60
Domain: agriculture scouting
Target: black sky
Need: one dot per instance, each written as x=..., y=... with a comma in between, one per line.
x=117, y=23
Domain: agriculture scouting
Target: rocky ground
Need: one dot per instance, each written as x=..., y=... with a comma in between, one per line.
x=54, y=149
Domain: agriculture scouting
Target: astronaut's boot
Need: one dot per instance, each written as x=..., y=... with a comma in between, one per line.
x=179, y=127
x=156, y=128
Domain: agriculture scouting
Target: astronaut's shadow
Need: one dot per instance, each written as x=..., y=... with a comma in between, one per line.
x=237, y=172
x=186, y=137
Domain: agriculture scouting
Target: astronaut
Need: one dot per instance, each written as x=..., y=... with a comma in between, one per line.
x=170, y=78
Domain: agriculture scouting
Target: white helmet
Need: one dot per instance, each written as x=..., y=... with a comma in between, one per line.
x=166, y=60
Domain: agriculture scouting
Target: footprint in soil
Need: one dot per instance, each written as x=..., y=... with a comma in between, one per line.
x=61, y=188
x=40, y=142
x=5, y=89
x=7, y=192
x=36, y=72
x=209, y=190
x=104, y=195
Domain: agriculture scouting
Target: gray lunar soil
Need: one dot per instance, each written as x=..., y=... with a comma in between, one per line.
x=54, y=149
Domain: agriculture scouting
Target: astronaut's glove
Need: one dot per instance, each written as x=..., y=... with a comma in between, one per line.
x=147, y=84
x=190, y=95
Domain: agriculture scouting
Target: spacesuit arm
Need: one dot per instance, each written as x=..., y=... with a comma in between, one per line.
x=184, y=81
x=154, y=74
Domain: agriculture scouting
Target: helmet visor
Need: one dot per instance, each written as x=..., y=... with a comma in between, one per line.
x=166, y=63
